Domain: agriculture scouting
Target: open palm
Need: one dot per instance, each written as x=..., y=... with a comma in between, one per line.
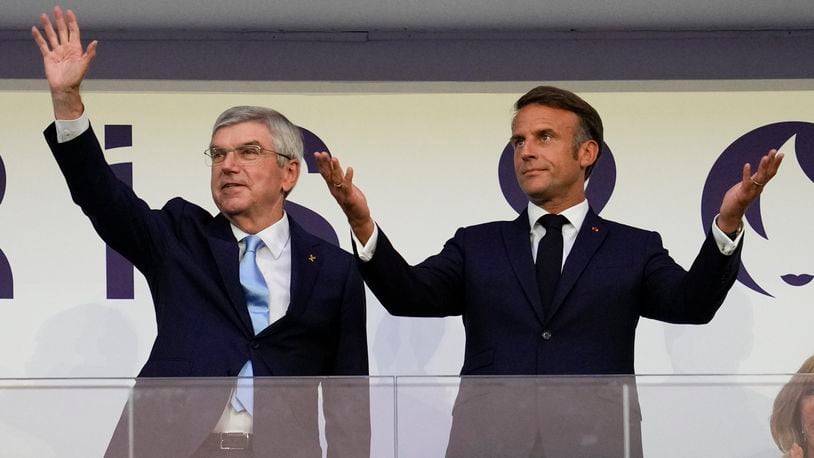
x=66, y=63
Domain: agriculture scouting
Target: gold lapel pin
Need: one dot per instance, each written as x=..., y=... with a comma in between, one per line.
x=312, y=258
x=594, y=228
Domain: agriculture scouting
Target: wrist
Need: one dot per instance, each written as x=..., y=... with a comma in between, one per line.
x=732, y=227
x=67, y=104
x=362, y=228
x=734, y=234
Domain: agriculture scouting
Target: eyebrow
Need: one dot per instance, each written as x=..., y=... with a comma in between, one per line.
x=536, y=133
x=252, y=142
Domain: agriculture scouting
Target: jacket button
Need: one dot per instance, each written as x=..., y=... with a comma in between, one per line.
x=255, y=345
x=546, y=335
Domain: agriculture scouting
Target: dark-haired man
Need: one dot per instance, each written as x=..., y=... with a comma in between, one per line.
x=559, y=290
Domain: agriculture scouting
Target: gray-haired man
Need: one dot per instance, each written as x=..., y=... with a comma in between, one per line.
x=246, y=292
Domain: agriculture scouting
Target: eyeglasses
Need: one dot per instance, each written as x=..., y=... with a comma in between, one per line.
x=245, y=154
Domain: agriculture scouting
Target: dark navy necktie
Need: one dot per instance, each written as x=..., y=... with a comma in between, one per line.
x=549, y=258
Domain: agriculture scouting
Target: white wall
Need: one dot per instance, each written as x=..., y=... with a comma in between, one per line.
x=426, y=154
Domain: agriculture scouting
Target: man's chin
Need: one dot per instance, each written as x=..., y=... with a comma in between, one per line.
x=230, y=208
x=535, y=195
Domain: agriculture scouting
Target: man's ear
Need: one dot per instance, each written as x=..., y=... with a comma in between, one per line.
x=291, y=173
x=588, y=153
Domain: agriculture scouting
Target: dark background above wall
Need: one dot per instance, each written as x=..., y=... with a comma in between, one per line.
x=436, y=56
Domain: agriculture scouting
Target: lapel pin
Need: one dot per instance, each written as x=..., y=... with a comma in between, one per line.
x=312, y=258
x=594, y=228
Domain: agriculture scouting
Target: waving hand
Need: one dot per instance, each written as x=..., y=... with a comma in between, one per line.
x=66, y=63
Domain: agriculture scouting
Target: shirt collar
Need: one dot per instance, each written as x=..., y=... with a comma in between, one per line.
x=576, y=214
x=275, y=237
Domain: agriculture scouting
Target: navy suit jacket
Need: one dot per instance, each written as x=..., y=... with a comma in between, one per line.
x=614, y=275
x=190, y=260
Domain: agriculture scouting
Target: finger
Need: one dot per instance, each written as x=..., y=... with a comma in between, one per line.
x=770, y=156
x=746, y=178
x=320, y=160
x=761, y=168
x=324, y=165
x=62, y=28
x=48, y=28
x=90, y=53
x=768, y=166
x=349, y=178
x=73, y=27
x=337, y=177
x=35, y=32
x=774, y=164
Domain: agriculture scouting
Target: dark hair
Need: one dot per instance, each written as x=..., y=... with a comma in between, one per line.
x=589, y=121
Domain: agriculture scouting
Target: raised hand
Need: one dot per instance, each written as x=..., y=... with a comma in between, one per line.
x=349, y=197
x=738, y=198
x=66, y=63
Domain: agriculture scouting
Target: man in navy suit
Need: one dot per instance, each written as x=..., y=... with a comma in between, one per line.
x=311, y=306
x=558, y=291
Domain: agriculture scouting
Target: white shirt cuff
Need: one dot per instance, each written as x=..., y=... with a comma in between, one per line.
x=67, y=130
x=725, y=244
x=365, y=252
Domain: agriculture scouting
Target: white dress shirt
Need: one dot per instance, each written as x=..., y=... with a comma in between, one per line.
x=67, y=130
x=274, y=262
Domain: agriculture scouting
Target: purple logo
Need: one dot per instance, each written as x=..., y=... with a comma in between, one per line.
x=309, y=219
x=727, y=171
x=598, y=192
x=6, y=279
x=119, y=279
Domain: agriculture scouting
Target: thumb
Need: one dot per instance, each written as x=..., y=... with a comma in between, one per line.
x=90, y=53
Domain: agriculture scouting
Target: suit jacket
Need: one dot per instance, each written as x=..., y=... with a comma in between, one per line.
x=190, y=260
x=614, y=275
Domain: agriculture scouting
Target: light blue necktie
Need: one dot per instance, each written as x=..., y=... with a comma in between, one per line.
x=257, y=300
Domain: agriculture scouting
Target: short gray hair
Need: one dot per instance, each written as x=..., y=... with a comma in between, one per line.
x=285, y=136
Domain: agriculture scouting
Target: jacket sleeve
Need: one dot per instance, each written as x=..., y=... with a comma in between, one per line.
x=118, y=215
x=674, y=295
x=433, y=288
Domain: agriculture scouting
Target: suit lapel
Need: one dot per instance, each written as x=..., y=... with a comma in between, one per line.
x=226, y=253
x=517, y=241
x=590, y=237
x=306, y=262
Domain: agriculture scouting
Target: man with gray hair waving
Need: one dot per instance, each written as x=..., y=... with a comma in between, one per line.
x=247, y=292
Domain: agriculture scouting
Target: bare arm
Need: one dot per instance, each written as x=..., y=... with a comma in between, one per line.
x=65, y=62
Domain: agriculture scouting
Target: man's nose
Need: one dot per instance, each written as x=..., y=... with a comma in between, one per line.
x=230, y=162
x=527, y=151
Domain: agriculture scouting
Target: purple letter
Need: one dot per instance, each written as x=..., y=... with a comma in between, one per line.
x=6, y=280
x=119, y=269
